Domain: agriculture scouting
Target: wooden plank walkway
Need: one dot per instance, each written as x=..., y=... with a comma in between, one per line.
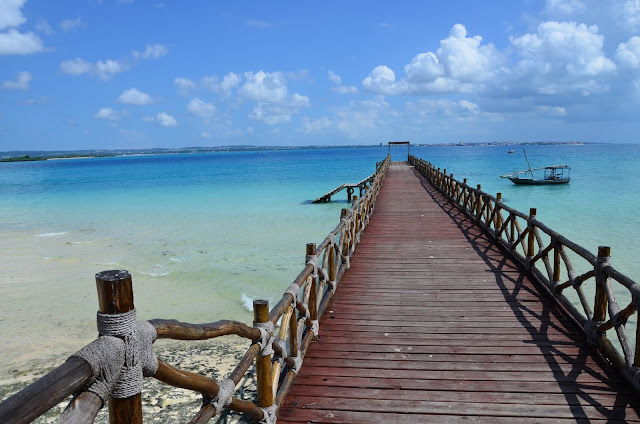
x=433, y=324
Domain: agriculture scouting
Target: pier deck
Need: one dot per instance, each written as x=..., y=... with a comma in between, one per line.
x=434, y=324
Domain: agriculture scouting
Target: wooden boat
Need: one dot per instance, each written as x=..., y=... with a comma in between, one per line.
x=557, y=174
x=511, y=151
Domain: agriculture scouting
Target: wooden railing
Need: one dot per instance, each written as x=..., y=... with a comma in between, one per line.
x=278, y=350
x=549, y=256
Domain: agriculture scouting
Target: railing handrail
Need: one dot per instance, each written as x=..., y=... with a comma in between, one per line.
x=525, y=244
x=299, y=310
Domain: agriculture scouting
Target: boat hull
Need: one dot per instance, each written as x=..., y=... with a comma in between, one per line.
x=530, y=181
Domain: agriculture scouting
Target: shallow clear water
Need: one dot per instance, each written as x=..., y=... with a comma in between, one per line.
x=204, y=234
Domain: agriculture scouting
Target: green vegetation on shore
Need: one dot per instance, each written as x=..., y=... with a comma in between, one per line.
x=25, y=158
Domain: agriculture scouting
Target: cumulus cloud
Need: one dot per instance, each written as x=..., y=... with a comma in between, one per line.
x=316, y=126
x=154, y=51
x=460, y=65
x=106, y=69
x=201, y=109
x=133, y=96
x=21, y=83
x=68, y=25
x=338, y=87
x=11, y=13
x=108, y=114
x=628, y=54
x=184, y=85
x=223, y=87
x=15, y=42
x=165, y=120
x=358, y=119
x=565, y=7
x=264, y=87
x=103, y=69
x=274, y=104
x=561, y=57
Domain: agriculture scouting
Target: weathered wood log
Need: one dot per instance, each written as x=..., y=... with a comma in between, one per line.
x=203, y=385
x=46, y=392
x=313, y=292
x=82, y=409
x=600, y=301
x=115, y=296
x=263, y=362
x=173, y=329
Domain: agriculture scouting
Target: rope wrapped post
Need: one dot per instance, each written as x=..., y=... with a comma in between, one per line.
x=115, y=296
x=263, y=363
x=531, y=252
x=313, y=296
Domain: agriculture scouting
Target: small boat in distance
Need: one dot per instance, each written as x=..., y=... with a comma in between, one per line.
x=557, y=174
x=511, y=151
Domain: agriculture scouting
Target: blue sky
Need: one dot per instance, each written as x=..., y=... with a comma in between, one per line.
x=139, y=74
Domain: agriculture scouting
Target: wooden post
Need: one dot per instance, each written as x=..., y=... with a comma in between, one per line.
x=313, y=296
x=349, y=193
x=556, y=262
x=263, y=363
x=532, y=238
x=115, y=296
x=478, y=201
x=498, y=217
x=600, y=302
x=332, y=264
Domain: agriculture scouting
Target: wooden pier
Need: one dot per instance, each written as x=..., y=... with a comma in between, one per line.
x=430, y=302
x=434, y=324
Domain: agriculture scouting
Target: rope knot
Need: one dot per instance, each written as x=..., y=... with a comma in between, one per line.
x=313, y=260
x=269, y=415
x=266, y=337
x=225, y=394
x=294, y=291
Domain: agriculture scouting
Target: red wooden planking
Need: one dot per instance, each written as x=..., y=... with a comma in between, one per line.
x=434, y=324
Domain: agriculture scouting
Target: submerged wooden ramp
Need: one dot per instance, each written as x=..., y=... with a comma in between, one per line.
x=434, y=324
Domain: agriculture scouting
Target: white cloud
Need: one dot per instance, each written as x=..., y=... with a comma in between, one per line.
x=11, y=13
x=154, y=51
x=165, y=120
x=133, y=96
x=338, y=87
x=271, y=114
x=264, y=87
x=184, y=85
x=205, y=134
x=565, y=7
x=108, y=114
x=44, y=27
x=15, y=42
x=382, y=80
x=316, y=126
x=363, y=118
x=76, y=67
x=103, y=69
x=72, y=24
x=461, y=64
x=628, y=54
x=21, y=83
x=562, y=57
x=201, y=109
x=224, y=87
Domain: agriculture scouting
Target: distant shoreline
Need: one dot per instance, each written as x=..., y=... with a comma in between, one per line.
x=27, y=156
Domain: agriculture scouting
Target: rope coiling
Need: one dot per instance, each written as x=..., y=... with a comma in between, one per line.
x=225, y=394
x=269, y=415
x=266, y=337
x=121, y=357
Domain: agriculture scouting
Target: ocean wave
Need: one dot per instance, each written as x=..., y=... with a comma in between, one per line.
x=52, y=234
x=83, y=242
x=247, y=302
x=158, y=271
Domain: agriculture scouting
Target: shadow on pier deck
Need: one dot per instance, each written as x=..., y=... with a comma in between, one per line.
x=434, y=324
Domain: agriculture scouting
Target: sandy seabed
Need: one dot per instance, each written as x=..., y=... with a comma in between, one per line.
x=162, y=403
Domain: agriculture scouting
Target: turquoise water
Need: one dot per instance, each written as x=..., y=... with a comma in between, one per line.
x=205, y=234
